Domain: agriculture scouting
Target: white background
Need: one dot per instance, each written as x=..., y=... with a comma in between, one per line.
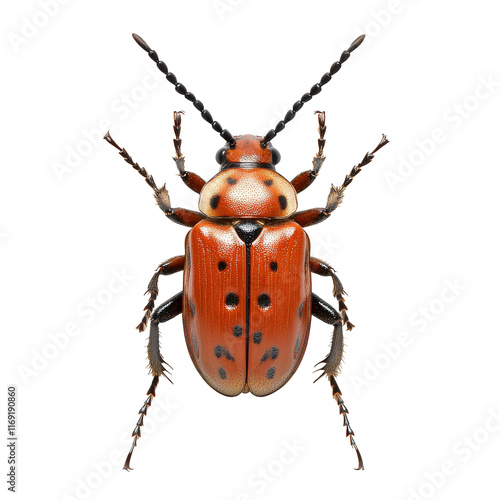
x=415, y=244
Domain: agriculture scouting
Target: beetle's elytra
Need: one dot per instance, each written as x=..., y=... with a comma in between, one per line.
x=246, y=302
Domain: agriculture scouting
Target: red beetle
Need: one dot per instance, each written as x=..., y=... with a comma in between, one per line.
x=247, y=302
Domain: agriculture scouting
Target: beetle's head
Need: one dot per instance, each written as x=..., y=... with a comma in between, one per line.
x=248, y=185
x=247, y=151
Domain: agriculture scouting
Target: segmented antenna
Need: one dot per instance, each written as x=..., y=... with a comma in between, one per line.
x=181, y=89
x=315, y=89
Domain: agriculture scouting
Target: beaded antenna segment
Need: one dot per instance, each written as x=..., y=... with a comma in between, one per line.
x=181, y=89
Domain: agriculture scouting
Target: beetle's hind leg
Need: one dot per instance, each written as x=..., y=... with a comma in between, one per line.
x=193, y=181
x=331, y=368
x=306, y=178
x=168, y=310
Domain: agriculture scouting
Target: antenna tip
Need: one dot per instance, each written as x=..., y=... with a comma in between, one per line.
x=141, y=42
x=356, y=43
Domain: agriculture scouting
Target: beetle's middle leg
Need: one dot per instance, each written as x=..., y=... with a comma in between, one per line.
x=168, y=310
x=331, y=368
x=323, y=269
x=306, y=178
x=170, y=266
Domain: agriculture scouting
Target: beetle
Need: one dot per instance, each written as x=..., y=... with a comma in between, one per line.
x=246, y=302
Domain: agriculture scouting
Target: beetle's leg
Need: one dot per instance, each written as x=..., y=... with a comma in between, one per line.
x=193, y=181
x=168, y=310
x=181, y=216
x=306, y=178
x=170, y=266
x=316, y=215
x=331, y=368
x=323, y=269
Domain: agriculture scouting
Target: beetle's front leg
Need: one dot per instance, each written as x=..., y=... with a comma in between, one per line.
x=336, y=195
x=168, y=310
x=170, y=266
x=193, y=181
x=331, y=368
x=317, y=215
x=306, y=178
x=323, y=269
x=181, y=216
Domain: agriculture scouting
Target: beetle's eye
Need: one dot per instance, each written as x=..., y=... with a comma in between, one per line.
x=220, y=157
x=276, y=156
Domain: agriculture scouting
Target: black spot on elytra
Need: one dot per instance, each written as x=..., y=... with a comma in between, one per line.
x=270, y=373
x=222, y=351
x=194, y=341
x=231, y=181
x=221, y=265
x=274, y=266
x=214, y=201
x=281, y=199
x=299, y=312
x=297, y=346
x=264, y=301
x=268, y=182
x=222, y=373
x=257, y=337
x=191, y=306
x=270, y=354
x=232, y=300
x=237, y=331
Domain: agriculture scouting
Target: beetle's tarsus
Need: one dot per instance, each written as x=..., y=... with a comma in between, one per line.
x=366, y=159
x=193, y=181
x=337, y=395
x=332, y=362
x=107, y=137
x=136, y=433
x=306, y=178
x=163, y=200
x=335, y=197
